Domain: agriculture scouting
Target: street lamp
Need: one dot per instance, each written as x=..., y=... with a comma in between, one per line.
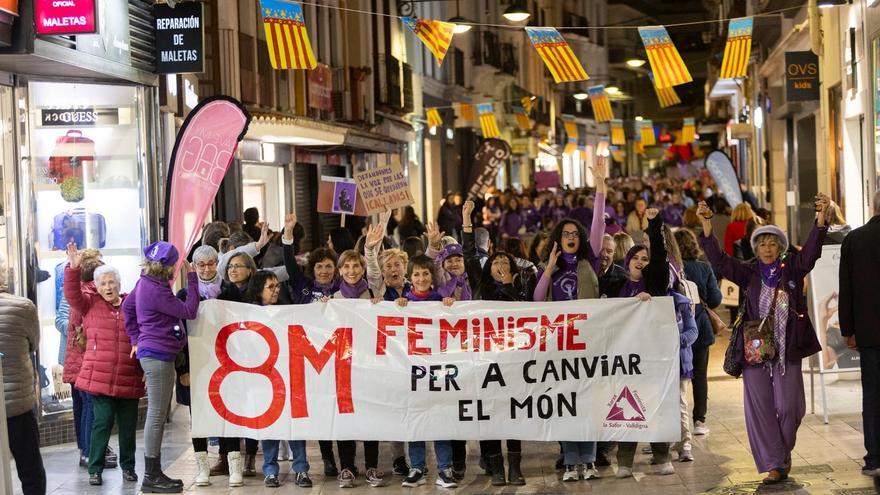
x=462, y=25
x=581, y=96
x=635, y=62
x=517, y=11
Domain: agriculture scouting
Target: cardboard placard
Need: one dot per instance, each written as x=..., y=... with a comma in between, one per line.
x=384, y=187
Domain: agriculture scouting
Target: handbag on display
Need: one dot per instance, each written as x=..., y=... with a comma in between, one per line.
x=80, y=227
x=72, y=157
x=759, y=339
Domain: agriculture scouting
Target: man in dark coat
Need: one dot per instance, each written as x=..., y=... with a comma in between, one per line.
x=860, y=323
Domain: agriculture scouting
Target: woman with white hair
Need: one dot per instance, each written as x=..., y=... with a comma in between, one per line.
x=211, y=286
x=109, y=374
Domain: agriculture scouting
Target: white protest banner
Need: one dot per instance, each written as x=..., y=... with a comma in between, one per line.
x=347, y=369
x=385, y=187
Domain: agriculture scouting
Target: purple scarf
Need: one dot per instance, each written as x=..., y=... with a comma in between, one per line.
x=770, y=272
x=565, y=280
x=632, y=288
x=456, y=281
x=210, y=289
x=353, y=291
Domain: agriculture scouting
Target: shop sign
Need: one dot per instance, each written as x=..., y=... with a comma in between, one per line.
x=65, y=117
x=801, y=76
x=59, y=17
x=320, y=88
x=179, y=38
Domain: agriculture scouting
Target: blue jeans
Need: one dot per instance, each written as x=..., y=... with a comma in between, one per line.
x=82, y=419
x=442, y=449
x=297, y=451
x=579, y=452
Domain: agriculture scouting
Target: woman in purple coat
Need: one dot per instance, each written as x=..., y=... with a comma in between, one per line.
x=512, y=220
x=773, y=392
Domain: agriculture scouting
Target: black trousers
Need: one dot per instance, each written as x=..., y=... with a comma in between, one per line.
x=348, y=451
x=459, y=454
x=700, y=383
x=870, y=364
x=24, y=442
x=493, y=447
x=231, y=444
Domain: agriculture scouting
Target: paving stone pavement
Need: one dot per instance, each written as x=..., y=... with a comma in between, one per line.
x=827, y=459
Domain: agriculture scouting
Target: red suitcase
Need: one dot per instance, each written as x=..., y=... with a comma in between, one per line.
x=73, y=156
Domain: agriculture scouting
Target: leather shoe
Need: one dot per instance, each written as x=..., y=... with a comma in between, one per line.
x=775, y=476
x=95, y=479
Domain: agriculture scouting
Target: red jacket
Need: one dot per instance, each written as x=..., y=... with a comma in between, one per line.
x=73, y=356
x=107, y=368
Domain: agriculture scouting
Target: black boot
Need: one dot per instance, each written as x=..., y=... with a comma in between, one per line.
x=155, y=480
x=496, y=463
x=484, y=465
x=514, y=474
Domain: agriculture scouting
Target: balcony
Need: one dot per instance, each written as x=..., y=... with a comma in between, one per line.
x=489, y=50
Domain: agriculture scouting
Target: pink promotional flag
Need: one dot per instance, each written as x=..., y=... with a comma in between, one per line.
x=202, y=153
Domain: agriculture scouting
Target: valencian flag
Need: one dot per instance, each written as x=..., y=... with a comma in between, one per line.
x=646, y=128
x=688, y=131
x=527, y=102
x=467, y=111
x=436, y=35
x=286, y=36
x=666, y=64
x=487, y=121
x=556, y=54
x=571, y=136
x=522, y=118
x=617, y=154
x=601, y=104
x=433, y=117
x=737, y=49
x=640, y=148
x=666, y=96
x=618, y=136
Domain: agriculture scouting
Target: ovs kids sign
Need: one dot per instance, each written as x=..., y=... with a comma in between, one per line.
x=59, y=17
x=349, y=369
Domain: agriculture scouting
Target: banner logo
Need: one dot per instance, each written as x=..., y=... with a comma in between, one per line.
x=626, y=406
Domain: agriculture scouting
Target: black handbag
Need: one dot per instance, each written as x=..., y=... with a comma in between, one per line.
x=731, y=366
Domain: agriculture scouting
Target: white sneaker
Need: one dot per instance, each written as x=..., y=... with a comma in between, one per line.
x=624, y=472
x=665, y=469
x=203, y=477
x=685, y=455
x=700, y=428
x=590, y=472
x=571, y=474
x=647, y=449
x=235, y=469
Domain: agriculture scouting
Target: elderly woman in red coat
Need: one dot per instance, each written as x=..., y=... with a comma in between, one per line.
x=109, y=374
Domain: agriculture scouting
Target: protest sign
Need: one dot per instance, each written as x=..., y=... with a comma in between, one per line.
x=348, y=369
x=489, y=158
x=339, y=195
x=384, y=187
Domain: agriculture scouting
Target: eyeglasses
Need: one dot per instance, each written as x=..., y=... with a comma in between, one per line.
x=569, y=234
x=271, y=286
x=238, y=267
x=206, y=264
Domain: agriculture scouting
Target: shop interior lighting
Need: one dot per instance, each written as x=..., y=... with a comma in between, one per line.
x=639, y=118
x=581, y=96
x=758, y=117
x=462, y=25
x=635, y=62
x=827, y=4
x=450, y=134
x=433, y=130
x=517, y=12
x=612, y=90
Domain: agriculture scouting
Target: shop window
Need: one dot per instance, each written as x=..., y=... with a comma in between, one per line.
x=263, y=188
x=86, y=173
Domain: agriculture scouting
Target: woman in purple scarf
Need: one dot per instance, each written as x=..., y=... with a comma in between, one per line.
x=773, y=392
x=569, y=273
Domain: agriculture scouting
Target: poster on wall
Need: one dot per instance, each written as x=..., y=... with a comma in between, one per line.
x=340, y=195
x=384, y=187
x=824, y=303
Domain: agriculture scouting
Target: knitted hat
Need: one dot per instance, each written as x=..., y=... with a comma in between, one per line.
x=770, y=229
x=449, y=251
x=162, y=252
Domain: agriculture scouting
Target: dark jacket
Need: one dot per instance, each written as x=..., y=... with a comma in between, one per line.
x=615, y=276
x=700, y=273
x=859, y=288
x=484, y=286
x=800, y=337
x=302, y=288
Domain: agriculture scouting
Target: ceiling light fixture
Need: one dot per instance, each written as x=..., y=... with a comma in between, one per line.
x=639, y=118
x=635, y=62
x=581, y=96
x=612, y=90
x=517, y=11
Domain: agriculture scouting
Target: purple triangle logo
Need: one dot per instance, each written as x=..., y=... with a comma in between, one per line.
x=625, y=408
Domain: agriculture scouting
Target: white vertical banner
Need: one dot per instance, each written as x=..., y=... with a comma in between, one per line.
x=824, y=302
x=351, y=370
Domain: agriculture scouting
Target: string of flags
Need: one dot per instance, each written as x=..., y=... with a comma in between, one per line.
x=289, y=46
x=601, y=104
x=487, y=120
x=571, y=135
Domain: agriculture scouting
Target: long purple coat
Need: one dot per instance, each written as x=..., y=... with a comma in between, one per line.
x=800, y=337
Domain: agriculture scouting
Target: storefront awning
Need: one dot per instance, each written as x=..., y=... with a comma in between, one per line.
x=723, y=89
x=298, y=131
